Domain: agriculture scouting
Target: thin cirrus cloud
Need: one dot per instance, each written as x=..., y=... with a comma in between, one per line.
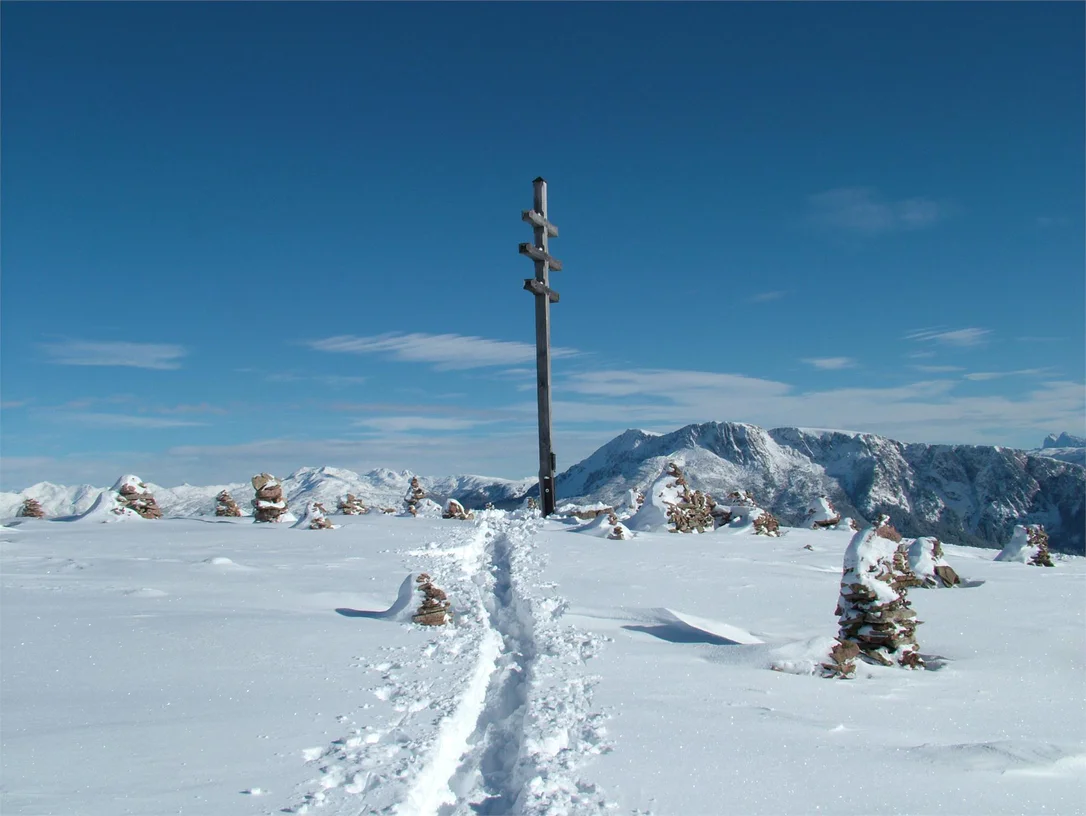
x=114, y=353
x=980, y=376
x=403, y=424
x=830, y=363
x=937, y=369
x=864, y=211
x=961, y=338
x=101, y=420
x=446, y=352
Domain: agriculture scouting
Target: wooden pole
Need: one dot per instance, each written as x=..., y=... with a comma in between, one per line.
x=539, y=286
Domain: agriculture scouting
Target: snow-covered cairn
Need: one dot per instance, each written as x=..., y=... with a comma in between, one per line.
x=877, y=623
x=455, y=510
x=226, y=506
x=742, y=504
x=928, y=564
x=415, y=495
x=315, y=518
x=269, y=504
x=619, y=531
x=672, y=505
x=1028, y=545
x=434, y=608
x=822, y=515
x=351, y=505
x=132, y=494
x=31, y=509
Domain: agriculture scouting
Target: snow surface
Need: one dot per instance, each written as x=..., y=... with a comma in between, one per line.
x=214, y=666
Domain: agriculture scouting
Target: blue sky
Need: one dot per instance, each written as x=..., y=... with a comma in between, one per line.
x=242, y=237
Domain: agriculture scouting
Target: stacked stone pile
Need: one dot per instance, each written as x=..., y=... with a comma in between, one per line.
x=316, y=517
x=351, y=505
x=455, y=510
x=31, y=509
x=929, y=565
x=269, y=504
x=132, y=494
x=822, y=515
x=434, y=608
x=619, y=531
x=226, y=506
x=877, y=623
x=687, y=510
x=415, y=495
x=1028, y=545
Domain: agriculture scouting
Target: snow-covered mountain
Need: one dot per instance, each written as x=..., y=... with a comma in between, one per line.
x=1064, y=440
x=961, y=493
x=1065, y=447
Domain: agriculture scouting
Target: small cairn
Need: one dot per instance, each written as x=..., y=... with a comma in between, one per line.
x=31, y=509
x=132, y=494
x=743, y=503
x=929, y=565
x=689, y=510
x=269, y=504
x=822, y=515
x=619, y=531
x=434, y=609
x=876, y=619
x=226, y=506
x=316, y=517
x=532, y=504
x=351, y=505
x=388, y=511
x=415, y=494
x=1028, y=545
x=455, y=510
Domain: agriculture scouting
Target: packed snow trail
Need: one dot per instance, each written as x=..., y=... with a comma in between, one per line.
x=493, y=715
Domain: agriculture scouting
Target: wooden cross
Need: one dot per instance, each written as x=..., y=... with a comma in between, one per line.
x=544, y=297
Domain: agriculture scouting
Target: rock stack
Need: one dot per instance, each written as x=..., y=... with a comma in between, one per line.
x=877, y=623
x=687, y=510
x=455, y=510
x=532, y=504
x=928, y=564
x=1028, y=545
x=132, y=494
x=765, y=523
x=434, y=609
x=269, y=504
x=743, y=504
x=226, y=506
x=619, y=531
x=415, y=495
x=350, y=505
x=885, y=529
x=315, y=517
x=31, y=509
x=822, y=515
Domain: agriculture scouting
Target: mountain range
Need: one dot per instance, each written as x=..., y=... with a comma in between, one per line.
x=966, y=494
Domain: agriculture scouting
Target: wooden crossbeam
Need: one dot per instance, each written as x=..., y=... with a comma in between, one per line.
x=539, y=288
x=537, y=254
x=537, y=219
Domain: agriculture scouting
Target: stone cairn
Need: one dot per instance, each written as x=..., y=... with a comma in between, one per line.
x=928, y=563
x=351, y=505
x=226, y=506
x=269, y=504
x=764, y=522
x=532, y=503
x=31, y=509
x=1038, y=539
x=317, y=515
x=693, y=510
x=619, y=531
x=135, y=496
x=415, y=494
x=434, y=609
x=455, y=510
x=876, y=619
x=822, y=515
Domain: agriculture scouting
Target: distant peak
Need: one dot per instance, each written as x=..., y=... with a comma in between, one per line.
x=1064, y=440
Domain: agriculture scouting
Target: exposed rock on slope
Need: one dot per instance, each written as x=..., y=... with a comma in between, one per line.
x=962, y=493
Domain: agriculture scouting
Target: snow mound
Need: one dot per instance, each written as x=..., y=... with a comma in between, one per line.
x=653, y=515
x=928, y=564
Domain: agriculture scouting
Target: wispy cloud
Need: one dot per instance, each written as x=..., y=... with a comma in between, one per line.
x=765, y=297
x=108, y=353
x=445, y=352
x=863, y=210
x=961, y=338
x=96, y=420
x=830, y=363
x=335, y=381
x=936, y=369
x=9, y=404
x=998, y=375
x=403, y=424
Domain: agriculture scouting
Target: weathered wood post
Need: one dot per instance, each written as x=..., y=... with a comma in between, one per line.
x=544, y=297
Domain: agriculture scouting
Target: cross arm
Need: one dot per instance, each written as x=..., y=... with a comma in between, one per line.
x=537, y=254
x=538, y=219
x=537, y=287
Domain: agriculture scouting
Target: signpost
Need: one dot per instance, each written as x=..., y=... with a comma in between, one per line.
x=539, y=286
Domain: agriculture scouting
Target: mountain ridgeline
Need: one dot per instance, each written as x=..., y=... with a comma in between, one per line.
x=965, y=494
